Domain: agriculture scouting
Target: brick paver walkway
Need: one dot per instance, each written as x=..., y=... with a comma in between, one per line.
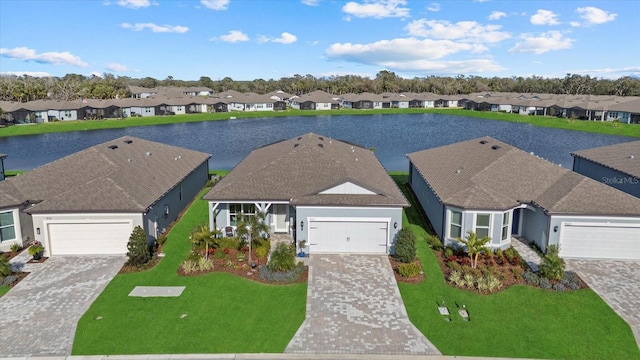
x=354, y=307
x=617, y=282
x=38, y=317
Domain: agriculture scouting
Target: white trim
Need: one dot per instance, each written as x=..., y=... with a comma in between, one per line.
x=592, y=217
x=595, y=224
x=309, y=220
x=350, y=207
x=47, y=222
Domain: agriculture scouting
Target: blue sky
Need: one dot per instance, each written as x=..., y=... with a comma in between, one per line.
x=253, y=39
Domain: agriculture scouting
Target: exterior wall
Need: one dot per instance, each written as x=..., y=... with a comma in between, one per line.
x=535, y=226
x=178, y=109
x=259, y=107
x=323, y=106
x=303, y=213
x=144, y=110
x=156, y=221
x=558, y=220
x=62, y=114
x=41, y=222
x=5, y=245
x=428, y=201
x=613, y=178
x=495, y=226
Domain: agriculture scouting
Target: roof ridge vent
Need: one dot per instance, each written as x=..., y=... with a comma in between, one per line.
x=295, y=145
x=128, y=141
x=495, y=147
x=320, y=145
x=113, y=147
x=483, y=142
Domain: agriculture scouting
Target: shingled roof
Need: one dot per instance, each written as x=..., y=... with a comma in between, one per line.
x=125, y=174
x=299, y=169
x=488, y=174
x=624, y=157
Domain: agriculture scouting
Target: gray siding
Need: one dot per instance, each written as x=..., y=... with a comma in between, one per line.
x=613, y=178
x=428, y=201
x=1, y=168
x=177, y=200
x=535, y=226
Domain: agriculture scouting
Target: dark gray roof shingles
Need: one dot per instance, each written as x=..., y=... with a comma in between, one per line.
x=624, y=157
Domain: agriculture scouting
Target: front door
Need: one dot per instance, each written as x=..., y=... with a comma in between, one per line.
x=280, y=217
x=515, y=224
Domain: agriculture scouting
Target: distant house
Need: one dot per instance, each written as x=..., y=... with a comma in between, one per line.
x=627, y=112
x=615, y=165
x=496, y=190
x=335, y=195
x=316, y=100
x=89, y=202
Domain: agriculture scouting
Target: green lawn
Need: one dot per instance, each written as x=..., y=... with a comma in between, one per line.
x=4, y=289
x=224, y=313
x=518, y=322
x=82, y=125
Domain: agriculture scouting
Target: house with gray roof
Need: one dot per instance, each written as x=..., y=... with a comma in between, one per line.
x=315, y=100
x=335, y=195
x=615, y=165
x=496, y=190
x=90, y=201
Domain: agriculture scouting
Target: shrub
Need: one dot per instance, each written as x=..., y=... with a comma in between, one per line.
x=161, y=239
x=559, y=287
x=205, y=264
x=280, y=276
x=138, y=247
x=189, y=266
x=469, y=280
x=409, y=270
x=448, y=252
x=517, y=272
x=510, y=254
x=455, y=277
x=283, y=258
x=261, y=252
x=545, y=283
x=5, y=266
x=405, y=248
x=15, y=247
x=552, y=265
x=229, y=243
x=434, y=242
x=531, y=278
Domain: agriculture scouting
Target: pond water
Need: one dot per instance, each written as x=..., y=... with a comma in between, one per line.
x=392, y=136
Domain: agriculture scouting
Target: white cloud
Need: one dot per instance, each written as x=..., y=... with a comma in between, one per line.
x=285, y=38
x=233, y=36
x=544, y=17
x=595, y=16
x=215, y=4
x=115, y=67
x=54, y=58
x=27, y=73
x=156, y=28
x=313, y=43
x=377, y=8
x=630, y=69
x=473, y=66
x=399, y=50
x=434, y=6
x=544, y=42
x=467, y=31
x=574, y=23
x=134, y=4
x=310, y=2
x=497, y=15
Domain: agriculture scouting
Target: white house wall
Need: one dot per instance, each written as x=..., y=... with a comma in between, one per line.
x=41, y=222
x=559, y=220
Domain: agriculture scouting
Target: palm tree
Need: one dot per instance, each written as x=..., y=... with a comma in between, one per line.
x=474, y=246
x=252, y=228
x=203, y=237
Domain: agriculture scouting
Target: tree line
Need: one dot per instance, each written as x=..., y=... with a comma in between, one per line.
x=73, y=86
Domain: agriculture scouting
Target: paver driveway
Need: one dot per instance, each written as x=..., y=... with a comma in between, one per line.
x=617, y=283
x=354, y=307
x=38, y=317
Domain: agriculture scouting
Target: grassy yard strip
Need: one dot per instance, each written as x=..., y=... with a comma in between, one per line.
x=82, y=125
x=519, y=322
x=217, y=313
x=4, y=289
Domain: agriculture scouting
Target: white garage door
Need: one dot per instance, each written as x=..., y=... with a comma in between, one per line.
x=600, y=241
x=89, y=238
x=369, y=237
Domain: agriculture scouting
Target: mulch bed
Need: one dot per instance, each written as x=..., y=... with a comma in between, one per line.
x=10, y=255
x=230, y=264
x=41, y=260
x=408, y=280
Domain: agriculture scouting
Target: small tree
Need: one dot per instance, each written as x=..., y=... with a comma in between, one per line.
x=552, y=265
x=252, y=228
x=203, y=238
x=282, y=258
x=138, y=247
x=474, y=246
x=5, y=266
x=405, y=248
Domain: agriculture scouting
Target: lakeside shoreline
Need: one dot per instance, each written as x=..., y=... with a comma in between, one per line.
x=601, y=127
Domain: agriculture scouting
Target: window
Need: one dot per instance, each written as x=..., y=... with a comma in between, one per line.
x=505, y=226
x=236, y=210
x=482, y=225
x=455, y=224
x=269, y=106
x=147, y=110
x=7, y=226
x=67, y=114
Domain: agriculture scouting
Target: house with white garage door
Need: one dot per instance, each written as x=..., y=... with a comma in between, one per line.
x=496, y=190
x=615, y=165
x=90, y=201
x=335, y=195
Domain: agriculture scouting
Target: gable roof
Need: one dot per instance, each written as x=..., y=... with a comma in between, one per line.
x=298, y=169
x=488, y=174
x=127, y=174
x=624, y=157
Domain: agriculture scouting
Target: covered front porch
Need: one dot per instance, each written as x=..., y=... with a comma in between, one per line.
x=279, y=216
